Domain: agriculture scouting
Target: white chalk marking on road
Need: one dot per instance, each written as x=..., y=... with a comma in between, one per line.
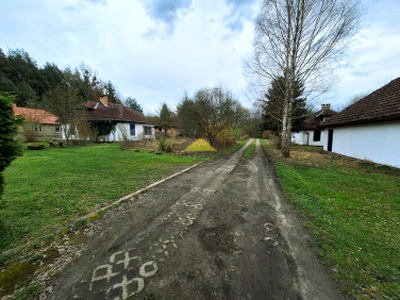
x=149, y=273
x=124, y=286
x=271, y=241
x=126, y=258
x=108, y=275
x=192, y=202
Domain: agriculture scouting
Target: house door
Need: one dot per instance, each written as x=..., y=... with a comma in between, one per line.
x=330, y=139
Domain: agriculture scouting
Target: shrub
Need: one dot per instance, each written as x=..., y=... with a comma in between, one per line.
x=9, y=148
x=164, y=144
x=31, y=134
x=86, y=132
x=244, y=137
x=277, y=142
x=267, y=134
x=225, y=139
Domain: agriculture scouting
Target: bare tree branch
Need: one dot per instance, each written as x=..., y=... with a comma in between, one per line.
x=300, y=40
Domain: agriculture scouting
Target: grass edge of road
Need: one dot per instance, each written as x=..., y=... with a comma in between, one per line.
x=48, y=189
x=250, y=150
x=352, y=210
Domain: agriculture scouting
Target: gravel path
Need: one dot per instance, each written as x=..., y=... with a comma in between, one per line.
x=218, y=231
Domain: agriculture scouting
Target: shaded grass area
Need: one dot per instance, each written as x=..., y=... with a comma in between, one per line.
x=48, y=188
x=353, y=211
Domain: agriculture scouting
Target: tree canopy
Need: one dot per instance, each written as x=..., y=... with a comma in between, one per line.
x=132, y=103
x=273, y=106
x=211, y=111
x=49, y=87
x=165, y=118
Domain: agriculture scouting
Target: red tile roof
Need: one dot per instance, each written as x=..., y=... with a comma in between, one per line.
x=381, y=105
x=117, y=112
x=38, y=115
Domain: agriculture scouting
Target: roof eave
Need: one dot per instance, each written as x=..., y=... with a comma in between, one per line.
x=120, y=121
x=361, y=122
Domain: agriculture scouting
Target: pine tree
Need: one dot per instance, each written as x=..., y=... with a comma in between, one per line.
x=132, y=103
x=165, y=118
x=9, y=148
x=273, y=106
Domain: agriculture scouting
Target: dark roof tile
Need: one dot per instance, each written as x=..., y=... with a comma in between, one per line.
x=99, y=111
x=381, y=105
x=315, y=120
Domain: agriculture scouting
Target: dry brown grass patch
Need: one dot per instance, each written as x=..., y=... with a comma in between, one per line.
x=316, y=158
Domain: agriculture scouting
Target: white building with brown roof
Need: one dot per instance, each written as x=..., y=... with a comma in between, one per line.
x=370, y=128
x=313, y=134
x=113, y=122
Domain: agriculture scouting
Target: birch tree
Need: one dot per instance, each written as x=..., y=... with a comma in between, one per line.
x=300, y=40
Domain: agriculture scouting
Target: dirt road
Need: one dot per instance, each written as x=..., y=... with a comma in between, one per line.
x=218, y=231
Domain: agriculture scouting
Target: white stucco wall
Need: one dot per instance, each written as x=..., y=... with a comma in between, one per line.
x=121, y=130
x=302, y=139
x=299, y=138
x=379, y=143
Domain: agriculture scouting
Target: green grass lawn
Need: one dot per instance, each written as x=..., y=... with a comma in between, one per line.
x=353, y=211
x=46, y=189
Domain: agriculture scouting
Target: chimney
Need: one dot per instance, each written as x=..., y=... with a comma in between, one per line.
x=325, y=106
x=104, y=99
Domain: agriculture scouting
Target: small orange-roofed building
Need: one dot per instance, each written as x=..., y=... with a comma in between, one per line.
x=45, y=124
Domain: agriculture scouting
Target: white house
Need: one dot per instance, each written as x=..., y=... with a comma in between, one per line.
x=313, y=134
x=370, y=128
x=114, y=122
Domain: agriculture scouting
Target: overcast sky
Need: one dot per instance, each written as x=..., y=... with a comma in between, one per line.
x=155, y=50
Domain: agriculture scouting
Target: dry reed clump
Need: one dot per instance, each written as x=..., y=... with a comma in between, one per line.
x=165, y=144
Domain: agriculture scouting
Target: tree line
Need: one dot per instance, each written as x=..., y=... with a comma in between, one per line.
x=213, y=113
x=209, y=113
x=49, y=87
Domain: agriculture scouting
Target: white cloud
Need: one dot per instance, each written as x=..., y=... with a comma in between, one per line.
x=194, y=44
x=373, y=59
x=166, y=11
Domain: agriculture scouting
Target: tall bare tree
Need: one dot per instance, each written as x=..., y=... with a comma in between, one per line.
x=300, y=40
x=216, y=110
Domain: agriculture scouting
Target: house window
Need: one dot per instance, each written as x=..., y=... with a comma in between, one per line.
x=147, y=130
x=132, y=129
x=58, y=129
x=39, y=129
x=317, y=135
